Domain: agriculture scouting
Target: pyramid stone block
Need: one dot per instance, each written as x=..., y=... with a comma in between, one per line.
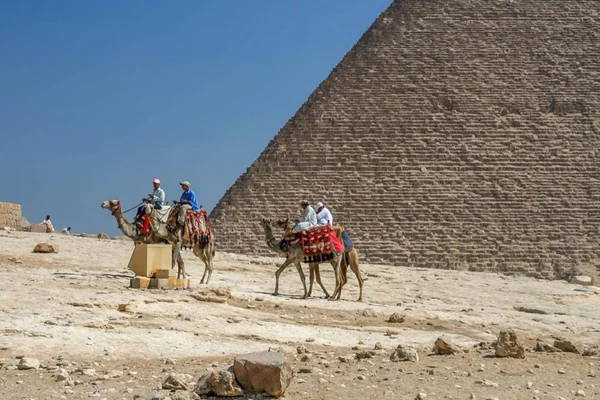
x=457, y=135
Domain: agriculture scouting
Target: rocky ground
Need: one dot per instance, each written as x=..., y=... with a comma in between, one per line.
x=63, y=311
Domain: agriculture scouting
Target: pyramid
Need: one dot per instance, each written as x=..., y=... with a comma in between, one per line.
x=454, y=135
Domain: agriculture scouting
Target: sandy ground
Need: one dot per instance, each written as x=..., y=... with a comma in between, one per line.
x=57, y=307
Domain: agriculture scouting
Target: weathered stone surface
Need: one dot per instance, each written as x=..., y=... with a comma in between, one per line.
x=486, y=162
x=444, y=346
x=178, y=382
x=396, y=318
x=28, y=363
x=508, y=345
x=582, y=280
x=45, y=248
x=263, y=372
x=404, y=353
x=37, y=228
x=220, y=382
x=566, y=346
x=10, y=215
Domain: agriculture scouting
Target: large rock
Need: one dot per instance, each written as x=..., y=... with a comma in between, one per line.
x=263, y=372
x=508, y=345
x=582, y=280
x=45, y=248
x=178, y=382
x=38, y=228
x=404, y=353
x=566, y=346
x=29, y=363
x=443, y=346
x=221, y=383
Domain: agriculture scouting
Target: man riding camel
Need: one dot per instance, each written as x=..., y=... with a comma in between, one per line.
x=157, y=198
x=308, y=218
x=186, y=202
x=324, y=216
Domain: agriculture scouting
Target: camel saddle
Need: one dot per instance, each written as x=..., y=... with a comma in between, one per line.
x=319, y=243
x=196, y=229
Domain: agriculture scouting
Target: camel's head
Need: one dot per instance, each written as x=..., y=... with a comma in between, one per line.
x=265, y=222
x=112, y=205
x=148, y=208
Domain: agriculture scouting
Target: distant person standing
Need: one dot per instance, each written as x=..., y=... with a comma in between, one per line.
x=48, y=223
x=66, y=230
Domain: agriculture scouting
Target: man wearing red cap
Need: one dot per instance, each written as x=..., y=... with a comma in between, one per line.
x=157, y=198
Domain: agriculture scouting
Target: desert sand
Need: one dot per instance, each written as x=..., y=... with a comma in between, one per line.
x=64, y=307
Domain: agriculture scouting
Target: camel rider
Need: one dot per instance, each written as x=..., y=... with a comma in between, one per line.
x=186, y=202
x=324, y=216
x=308, y=218
x=156, y=198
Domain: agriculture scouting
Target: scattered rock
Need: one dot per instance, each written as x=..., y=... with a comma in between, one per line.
x=530, y=310
x=28, y=363
x=566, y=346
x=223, y=383
x=580, y=393
x=178, y=382
x=508, y=345
x=582, y=280
x=445, y=347
x=102, y=235
x=396, y=318
x=62, y=375
x=545, y=347
x=345, y=359
x=301, y=349
x=45, y=248
x=368, y=312
x=378, y=346
x=305, y=370
x=591, y=352
x=127, y=307
x=421, y=396
x=362, y=355
x=404, y=353
x=263, y=372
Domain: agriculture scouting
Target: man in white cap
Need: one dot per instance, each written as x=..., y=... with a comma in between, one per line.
x=157, y=198
x=308, y=218
x=186, y=202
x=324, y=216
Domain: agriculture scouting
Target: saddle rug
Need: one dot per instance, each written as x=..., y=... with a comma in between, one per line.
x=318, y=244
x=196, y=229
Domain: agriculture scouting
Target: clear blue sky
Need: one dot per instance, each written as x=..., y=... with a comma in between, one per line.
x=97, y=98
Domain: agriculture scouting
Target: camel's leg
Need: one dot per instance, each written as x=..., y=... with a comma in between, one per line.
x=311, y=274
x=205, y=254
x=286, y=264
x=318, y=276
x=352, y=257
x=302, y=278
x=336, y=262
x=179, y=259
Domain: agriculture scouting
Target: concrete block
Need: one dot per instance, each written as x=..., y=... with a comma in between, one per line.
x=146, y=259
x=165, y=273
x=139, y=282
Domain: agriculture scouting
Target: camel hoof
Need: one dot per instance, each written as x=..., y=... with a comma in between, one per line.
x=275, y=294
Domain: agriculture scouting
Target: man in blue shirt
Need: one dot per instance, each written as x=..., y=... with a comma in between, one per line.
x=186, y=202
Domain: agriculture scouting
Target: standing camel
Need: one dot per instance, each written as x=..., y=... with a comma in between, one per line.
x=295, y=256
x=204, y=251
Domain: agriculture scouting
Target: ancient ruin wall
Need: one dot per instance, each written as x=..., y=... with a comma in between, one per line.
x=452, y=135
x=10, y=215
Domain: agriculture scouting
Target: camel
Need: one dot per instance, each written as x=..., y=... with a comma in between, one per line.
x=114, y=206
x=350, y=258
x=204, y=252
x=295, y=256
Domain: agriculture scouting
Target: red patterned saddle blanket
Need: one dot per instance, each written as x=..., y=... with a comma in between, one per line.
x=320, y=244
x=197, y=227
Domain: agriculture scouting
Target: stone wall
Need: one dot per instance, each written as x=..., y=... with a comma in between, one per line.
x=10, y=215
x=462, y=135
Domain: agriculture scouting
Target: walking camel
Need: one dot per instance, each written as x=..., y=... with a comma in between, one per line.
x=295, y=256
x=350, y=258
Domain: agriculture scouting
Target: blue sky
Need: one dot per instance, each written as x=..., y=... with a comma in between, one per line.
x=97, y=98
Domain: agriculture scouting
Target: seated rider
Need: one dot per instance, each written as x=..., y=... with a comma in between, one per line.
x=308, y=218
x=186, y=202
x=156, y=198
x=324, y=216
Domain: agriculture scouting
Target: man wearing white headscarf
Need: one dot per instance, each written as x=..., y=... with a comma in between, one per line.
x=308, y=218
x=324, y=216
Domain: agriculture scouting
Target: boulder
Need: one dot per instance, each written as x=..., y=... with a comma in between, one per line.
x=28, y=363
x=582, y=280
x=263, y=372
x=566, y=346
x=37, y=228
x=543, y=347
x=404, y=353
x=178, y=382
x=396, y=318
x=45, y=248
x=508, y=345
x=221, y=383
x=444, y=346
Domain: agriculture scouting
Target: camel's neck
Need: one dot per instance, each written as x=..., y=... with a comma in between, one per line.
x=271, y=241
x=124, y=225
x=158, y=228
